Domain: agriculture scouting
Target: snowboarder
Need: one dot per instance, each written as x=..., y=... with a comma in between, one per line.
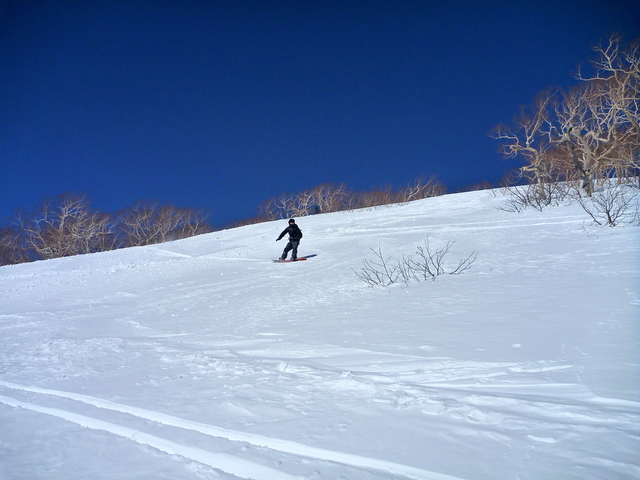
x=295, y=234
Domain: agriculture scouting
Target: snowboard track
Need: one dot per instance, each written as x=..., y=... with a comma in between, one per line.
x=224, y=462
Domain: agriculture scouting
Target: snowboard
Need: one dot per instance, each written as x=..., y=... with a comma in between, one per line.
x=289, y=261
x=298, y=260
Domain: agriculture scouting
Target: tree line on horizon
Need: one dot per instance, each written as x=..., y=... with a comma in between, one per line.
x=330, y=197
x=67, y=225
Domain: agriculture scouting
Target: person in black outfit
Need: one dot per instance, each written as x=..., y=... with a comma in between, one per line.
x=295, y=234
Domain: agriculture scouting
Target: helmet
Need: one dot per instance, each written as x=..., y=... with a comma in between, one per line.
x=291, y=221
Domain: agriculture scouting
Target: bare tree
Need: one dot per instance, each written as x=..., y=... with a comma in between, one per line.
x=64, y=226
x=270, y=210
x=593, y=127
x=615, y=76
x=195, y=223
x=587, y=132
x=330, y=197
x=148, y=223
x=12, y=248
x=616, y=70
x=599, y=120
x=422, y=187
x=302, y=204
x=284, y=206
x=136, y=225
x=323, y=198
x=377, y=198
x=529, y=139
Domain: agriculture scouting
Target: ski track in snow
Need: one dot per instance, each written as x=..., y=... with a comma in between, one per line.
x=227, y=463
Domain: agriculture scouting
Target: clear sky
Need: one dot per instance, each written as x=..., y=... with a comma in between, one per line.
x=222, y=105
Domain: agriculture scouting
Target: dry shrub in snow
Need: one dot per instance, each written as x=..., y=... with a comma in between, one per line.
x=427, y=263
x=612, y=205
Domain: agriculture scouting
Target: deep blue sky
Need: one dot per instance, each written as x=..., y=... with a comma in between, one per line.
x=222, y=105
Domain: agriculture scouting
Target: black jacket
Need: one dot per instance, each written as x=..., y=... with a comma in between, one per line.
x=295, y=234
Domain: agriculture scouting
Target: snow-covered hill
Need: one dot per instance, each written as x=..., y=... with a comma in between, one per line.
x=202, y=359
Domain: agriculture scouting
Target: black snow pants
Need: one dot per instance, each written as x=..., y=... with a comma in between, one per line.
x=291, y=246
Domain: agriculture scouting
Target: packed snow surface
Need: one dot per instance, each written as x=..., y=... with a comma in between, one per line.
x=203, y=359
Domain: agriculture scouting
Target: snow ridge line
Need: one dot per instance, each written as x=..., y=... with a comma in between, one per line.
x=220, y=461
x=283, y=446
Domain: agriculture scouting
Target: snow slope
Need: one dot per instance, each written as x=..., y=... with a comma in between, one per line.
x=202, y=359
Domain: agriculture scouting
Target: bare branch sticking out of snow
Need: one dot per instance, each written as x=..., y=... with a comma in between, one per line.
x=612, y=205
x=428, y=264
